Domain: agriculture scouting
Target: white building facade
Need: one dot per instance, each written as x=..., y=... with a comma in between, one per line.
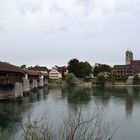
x=54, y=74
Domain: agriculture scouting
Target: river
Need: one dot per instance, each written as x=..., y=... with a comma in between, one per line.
x=121, y=107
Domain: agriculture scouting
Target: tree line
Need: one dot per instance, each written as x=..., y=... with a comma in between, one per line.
x=83, y=69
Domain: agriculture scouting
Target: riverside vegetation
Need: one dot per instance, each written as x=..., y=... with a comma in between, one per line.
x=76, y=126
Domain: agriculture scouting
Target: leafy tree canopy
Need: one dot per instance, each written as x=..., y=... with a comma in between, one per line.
x=101, y=68
x=73, y=67
x=23, y=66
x=79, y=69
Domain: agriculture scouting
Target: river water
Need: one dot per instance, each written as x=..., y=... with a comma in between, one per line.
x=121, y=107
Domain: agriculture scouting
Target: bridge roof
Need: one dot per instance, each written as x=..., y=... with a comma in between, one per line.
x=32, y=72
x=7, y=67
x=40, y=68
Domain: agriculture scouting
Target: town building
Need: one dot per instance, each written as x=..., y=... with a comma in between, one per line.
x=130, y=68
x=136, y=65
x=128, y=57
x=63, y=70
x=54, y=74
x=123, y=70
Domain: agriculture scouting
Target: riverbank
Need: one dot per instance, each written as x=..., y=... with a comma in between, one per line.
x=63, y=83
x=115, y=85
x=120, y=84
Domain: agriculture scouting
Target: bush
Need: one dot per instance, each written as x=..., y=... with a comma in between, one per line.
x=124, y=78
x=101, y=79
x=4, y=135
x=76, y=126
x=71, y=79
x=136, y=79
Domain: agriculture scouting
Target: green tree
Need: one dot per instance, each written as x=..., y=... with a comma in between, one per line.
x=73, y=67
x=23, y=66
x=112, y=76
x=124, y=78
x=85, y=69
x=101, y=68
x=79, y=69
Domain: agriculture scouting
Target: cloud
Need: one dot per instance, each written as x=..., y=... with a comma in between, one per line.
x=56, y=30
x=31, y=8
x=2, y=29
x=25, y=13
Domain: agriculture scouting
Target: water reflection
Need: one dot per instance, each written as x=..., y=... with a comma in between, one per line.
x=12, y=113
x=55, y=93
x=120, y=101
x=102, y=94
x=129, y=105
x=127, y=94
x=78, y=95
x=38, y=94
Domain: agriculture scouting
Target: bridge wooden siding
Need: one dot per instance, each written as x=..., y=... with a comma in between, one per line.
x=9, y=74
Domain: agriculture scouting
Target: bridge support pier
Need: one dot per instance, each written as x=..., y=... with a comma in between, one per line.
x=33, y=84
x=41, y=82
x=26, y=85
x=45, y=82
x=18, y=90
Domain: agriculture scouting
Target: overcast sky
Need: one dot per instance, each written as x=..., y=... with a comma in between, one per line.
x=50, y=32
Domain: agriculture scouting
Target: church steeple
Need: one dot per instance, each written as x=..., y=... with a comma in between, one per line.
x=128, y=57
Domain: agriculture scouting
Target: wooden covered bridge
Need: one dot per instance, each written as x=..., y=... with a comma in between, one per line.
x=15, y=80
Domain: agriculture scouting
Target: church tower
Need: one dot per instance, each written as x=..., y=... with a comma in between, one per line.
x=128, y=57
